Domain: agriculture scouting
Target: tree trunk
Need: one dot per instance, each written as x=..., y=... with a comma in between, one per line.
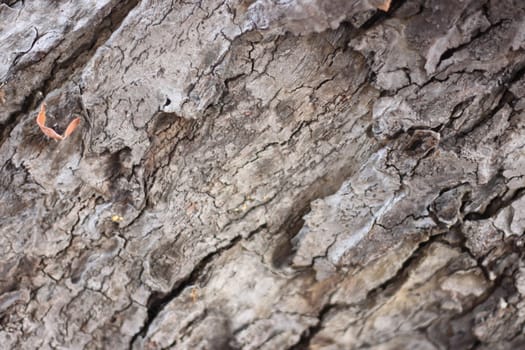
x=263, y=174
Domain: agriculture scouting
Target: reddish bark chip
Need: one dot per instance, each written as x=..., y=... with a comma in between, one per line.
x=385, y=6
x=41, y=121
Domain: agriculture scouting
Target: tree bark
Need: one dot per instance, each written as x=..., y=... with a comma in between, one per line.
x=262, y=174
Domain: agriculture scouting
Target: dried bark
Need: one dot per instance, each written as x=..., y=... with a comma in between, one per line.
x=263, y=174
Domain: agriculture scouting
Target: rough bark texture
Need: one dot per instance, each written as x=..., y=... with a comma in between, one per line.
x=263, y=174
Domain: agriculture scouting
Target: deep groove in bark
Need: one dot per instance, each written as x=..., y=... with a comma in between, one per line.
x=270, y=168
x=76, y=61
x=82, y=54
x=310, y=333
x=157, y=301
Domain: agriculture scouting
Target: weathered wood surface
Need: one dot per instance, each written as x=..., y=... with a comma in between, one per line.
x=263, y=174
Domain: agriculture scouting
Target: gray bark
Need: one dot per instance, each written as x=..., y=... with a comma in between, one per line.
x=263, y=174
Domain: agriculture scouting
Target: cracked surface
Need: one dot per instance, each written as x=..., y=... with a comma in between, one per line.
x=263, y=175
